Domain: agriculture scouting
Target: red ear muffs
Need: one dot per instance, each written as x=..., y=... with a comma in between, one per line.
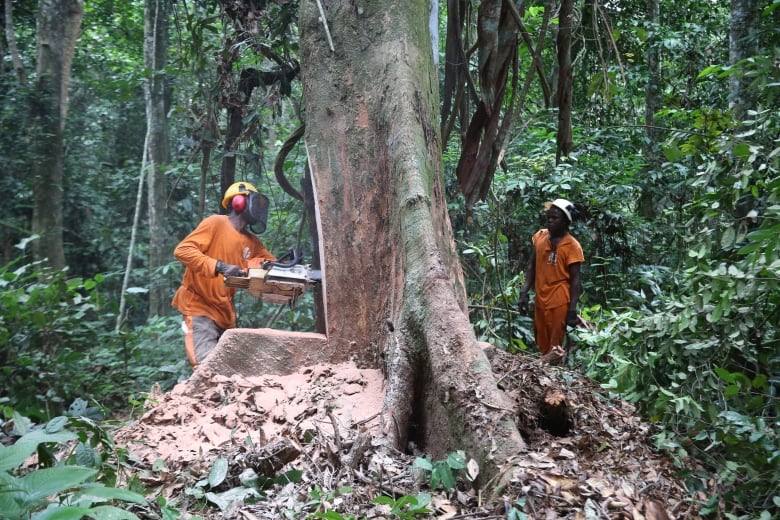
x=238, y=203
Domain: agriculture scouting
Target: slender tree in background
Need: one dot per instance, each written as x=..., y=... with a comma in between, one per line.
x=646, y=204
x=564, y=94
x=491, y=119
x=18, y=66
x=743, y=44
x=156, y=14
x=59, y=23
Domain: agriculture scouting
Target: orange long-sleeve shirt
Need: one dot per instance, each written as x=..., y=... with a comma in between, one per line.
x=203, y=292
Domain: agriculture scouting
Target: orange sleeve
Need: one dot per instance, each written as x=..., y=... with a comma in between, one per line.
x=191, y=251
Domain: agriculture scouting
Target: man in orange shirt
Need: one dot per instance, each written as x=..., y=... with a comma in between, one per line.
x=553, y=271
x=220, y=246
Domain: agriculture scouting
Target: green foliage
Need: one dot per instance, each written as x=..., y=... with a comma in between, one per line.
x=445, y=472
x=408, y=506
x=321, y=501
x=57, y=345
x=703, y=361
x=223, y=492
x=70, y=488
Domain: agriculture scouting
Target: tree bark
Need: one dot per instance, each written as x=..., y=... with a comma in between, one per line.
x=743, y=43
x=394, y=291
x=565, y=84
x=160, y=244
x=13, y=50
x=646, y=202
x=59, y=23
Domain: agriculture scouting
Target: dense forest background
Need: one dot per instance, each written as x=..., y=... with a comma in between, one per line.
x=670, y=151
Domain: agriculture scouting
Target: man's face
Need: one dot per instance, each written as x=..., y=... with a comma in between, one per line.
x=556, y=220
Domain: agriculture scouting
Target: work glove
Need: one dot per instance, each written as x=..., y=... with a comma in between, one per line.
x=572, y=320
x=522, y=305
x=228, y=269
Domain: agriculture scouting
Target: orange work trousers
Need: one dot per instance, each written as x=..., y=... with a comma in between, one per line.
x=550, y=327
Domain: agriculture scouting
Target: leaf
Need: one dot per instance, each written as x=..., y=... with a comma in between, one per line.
x=383, y=500
x=103, y=493
x=473, y=469
x=728, y=237
x=423, y=463
x=447, y=477
x=111, y=513
x=456, y=460
x=50, y=481
x=724, y=374
x=63, y=513
x=742, y=150
x=13, y=456
x=218, y=501
x=40, y=436
x=225, y=499
x=328, y=515
x=293, y=476
x=218, y=472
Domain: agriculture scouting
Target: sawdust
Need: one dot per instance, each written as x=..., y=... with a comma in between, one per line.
x=324, y=419
x=185, y=424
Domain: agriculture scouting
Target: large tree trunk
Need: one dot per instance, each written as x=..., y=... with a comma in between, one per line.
x=394, y=290
x=155, y=59
x=59, y=23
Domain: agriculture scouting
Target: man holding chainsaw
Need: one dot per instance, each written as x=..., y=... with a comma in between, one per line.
x=553, y=271
x=220, y=246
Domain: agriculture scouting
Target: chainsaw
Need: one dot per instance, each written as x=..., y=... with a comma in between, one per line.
x=277, y=281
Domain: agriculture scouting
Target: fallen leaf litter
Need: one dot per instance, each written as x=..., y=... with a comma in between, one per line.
x=321, y=422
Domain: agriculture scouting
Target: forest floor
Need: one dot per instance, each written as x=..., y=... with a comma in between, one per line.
x=274, y=447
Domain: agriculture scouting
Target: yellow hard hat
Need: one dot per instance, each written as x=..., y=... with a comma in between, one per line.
x=237, y=188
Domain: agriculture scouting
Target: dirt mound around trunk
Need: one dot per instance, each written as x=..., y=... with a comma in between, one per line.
x=203, y=415
x=588, y=455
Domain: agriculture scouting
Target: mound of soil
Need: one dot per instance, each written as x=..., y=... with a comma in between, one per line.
x=291, y=444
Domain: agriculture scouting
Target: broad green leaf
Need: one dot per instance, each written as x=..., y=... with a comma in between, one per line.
x=447, y=477
x=50, y=481
x=218, y=472
x=39, y=436
x=103, y=493
x=225, y=499
x=456, y=460
x=724, y=374
x=423, y=463
x=742, y=150
x=9, y=506
x=111, y=513
x=63, y=513
x=13, y=456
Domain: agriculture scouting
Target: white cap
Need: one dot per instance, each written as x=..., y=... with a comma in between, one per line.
x=565, y=206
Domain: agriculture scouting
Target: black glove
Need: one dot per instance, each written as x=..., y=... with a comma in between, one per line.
x=229, y=269
x=522, y=305
x=572, y=320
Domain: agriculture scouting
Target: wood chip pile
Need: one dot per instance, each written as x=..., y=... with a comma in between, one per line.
x=589, y=456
